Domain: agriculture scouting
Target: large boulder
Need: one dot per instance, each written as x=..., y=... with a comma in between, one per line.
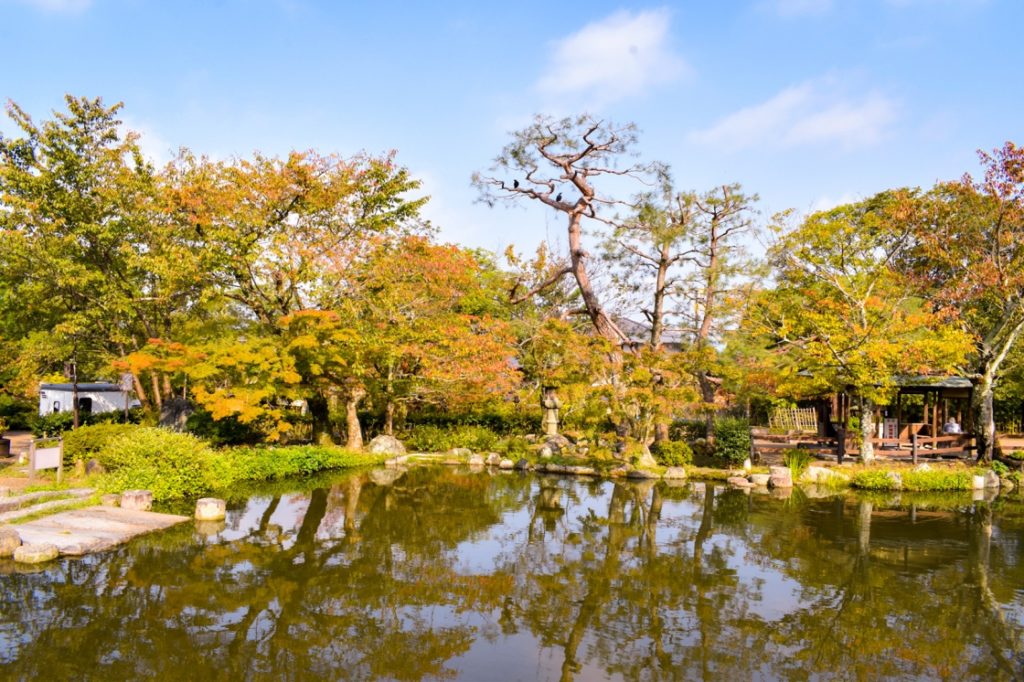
x=559, y=445
x=760, y=480
x=820, y=474
x=174, y=414
x=493, y=459
x=386, y=445
x=675, y=473
x=476, y=460
x=739, y=482
x=460, y=453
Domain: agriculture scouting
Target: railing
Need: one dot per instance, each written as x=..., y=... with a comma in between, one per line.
x=837, y=447
x=959, y=444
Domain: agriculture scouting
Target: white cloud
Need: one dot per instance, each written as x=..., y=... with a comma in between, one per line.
x=58, y=6
x=808, y=113
x=824, y=203
x=795, y=8
x=619, y=56
x=153, y=146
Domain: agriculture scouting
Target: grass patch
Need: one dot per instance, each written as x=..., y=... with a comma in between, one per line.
x=914, y=480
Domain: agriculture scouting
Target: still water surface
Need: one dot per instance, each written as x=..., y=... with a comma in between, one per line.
x=450, y=574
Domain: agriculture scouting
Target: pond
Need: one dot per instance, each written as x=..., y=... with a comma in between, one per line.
x=442, y=573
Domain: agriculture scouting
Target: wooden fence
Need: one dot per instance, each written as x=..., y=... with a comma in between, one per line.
x=842, y=446
x=804, y=419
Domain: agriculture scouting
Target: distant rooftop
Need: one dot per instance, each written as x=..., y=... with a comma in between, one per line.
x=95, y=387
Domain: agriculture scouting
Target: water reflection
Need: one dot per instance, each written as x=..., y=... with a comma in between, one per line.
x=439, y=573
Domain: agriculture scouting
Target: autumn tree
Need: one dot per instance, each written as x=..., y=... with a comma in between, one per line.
x=426, y=327
x=271, y=229
x=844, y=314
x=970, y=252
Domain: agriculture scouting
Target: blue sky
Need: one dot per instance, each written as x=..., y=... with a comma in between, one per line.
x=808, y=103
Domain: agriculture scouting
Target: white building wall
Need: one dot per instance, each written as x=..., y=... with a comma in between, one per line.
x=102, y=401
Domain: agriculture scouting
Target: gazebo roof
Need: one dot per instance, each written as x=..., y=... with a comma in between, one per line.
x=926, y=381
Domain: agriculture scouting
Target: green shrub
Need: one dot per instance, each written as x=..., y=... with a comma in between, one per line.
x=797, y=460
x=687, y=430
x=672, y=453
x=428, y=438
x=16, y=413
x=873, y=480
x=225, y=431
x=732, y=439
x=171, y=465
x=230, y=466
x=514, y=446
x=86, y=442
x=928, y=480
x=937, y=479
x=1000, y=469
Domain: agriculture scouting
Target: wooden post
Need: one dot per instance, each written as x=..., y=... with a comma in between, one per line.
x=841, y=445
x=913, y=448
x=753, y=452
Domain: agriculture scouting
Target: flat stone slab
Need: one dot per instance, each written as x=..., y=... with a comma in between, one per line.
x=93, y=529
x=19, y=503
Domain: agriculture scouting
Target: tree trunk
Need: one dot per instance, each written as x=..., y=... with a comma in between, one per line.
x=657, y=323
x=707, y=395
x=140, y=392
x=983, y=416
x=389, y=417
x=321, y=414
x=602, y=322
x=157, y=398
x=352, y=427
x=867, y=429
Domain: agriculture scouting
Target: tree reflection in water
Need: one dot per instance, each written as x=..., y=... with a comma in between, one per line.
x=442, y=573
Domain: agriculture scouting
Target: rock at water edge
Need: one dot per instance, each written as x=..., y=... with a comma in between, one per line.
x=675, y=473
x=759, y=479
x=138, y=500
x=739, y=482
x=9, y=541
x=35, y=554
x=210, y=509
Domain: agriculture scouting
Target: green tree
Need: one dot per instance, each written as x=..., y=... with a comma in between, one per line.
x=842, y=311
x=88, y=259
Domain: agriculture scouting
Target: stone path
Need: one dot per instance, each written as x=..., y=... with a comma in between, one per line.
x=93, y=529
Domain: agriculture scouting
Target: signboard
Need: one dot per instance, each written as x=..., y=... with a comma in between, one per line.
x=49, y=457
x=127, y=382
x=891, y=428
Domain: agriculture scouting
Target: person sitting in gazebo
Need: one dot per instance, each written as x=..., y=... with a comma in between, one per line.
x=951, y=426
